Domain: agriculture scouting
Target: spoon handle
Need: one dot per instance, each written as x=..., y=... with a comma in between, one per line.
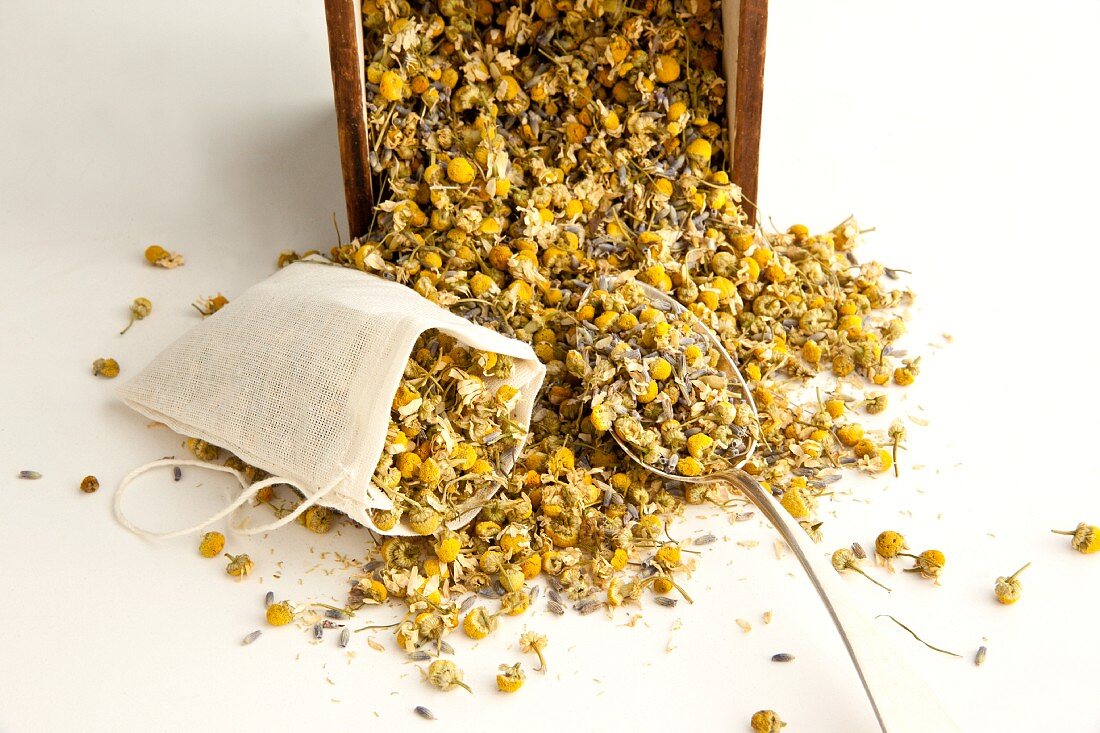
x=902, y=701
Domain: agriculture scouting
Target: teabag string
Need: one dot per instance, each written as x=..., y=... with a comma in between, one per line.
x=248, y=492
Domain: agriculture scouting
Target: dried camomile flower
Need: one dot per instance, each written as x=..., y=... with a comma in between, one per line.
x=478, y=623
x=89, y=485
x=888, y=545
x=531, y=641
x=905, y=374
x=280, y=614
x=239, y=565
x=845, y=559
x=875, y=404
x=1086, y=537
x=511, y=678
x=202, y=450
x=211, y=305
x=897, y=434
x=160, y=257
x=1008, y=589
x=798, y=502
x=212, y=544
x=316, y=519
x=107, y=368
x=139, y=309
x=929, y=564
x=766, y=721
x=445, y=674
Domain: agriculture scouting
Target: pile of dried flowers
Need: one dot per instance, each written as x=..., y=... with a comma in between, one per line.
x=526, y=151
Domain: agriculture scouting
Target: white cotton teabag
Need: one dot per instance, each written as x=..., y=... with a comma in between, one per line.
x=297, y=375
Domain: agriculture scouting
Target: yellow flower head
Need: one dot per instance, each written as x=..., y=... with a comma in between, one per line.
x=667, y=69
x=766, y=721
x=689, y=466
x=211, y=544
x=798, y=502
x=460, y=171
x=660, y=369
x=510, y=678
x=392, y=86
x=668, y=556
x=448, y=545
x=700, y=150
x=889, y=544
x=425, y=521
x=478, y=623
x=280, y=614
x=850, y=434
x=430, y=473
x=930, y=564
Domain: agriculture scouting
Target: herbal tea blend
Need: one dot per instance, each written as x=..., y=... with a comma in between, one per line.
x=539, y=164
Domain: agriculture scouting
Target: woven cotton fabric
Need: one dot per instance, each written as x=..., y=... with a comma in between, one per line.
x=296, y=376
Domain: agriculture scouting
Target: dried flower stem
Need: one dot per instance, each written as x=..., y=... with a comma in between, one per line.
x=914, y=635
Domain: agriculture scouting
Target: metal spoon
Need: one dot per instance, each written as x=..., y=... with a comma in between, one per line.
x=901, y=700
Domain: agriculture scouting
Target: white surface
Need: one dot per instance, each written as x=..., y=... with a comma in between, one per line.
x=966, y=136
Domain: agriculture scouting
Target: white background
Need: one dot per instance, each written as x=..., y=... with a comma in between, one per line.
x=965, y=132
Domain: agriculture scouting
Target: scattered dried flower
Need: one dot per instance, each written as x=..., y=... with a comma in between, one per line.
x=106, y=368
x=139, y=309
x=1086, y=537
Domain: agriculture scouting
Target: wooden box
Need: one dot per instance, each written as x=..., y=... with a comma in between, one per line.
x=744, y=25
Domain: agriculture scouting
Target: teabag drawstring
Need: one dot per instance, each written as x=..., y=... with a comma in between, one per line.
x=247, y=493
